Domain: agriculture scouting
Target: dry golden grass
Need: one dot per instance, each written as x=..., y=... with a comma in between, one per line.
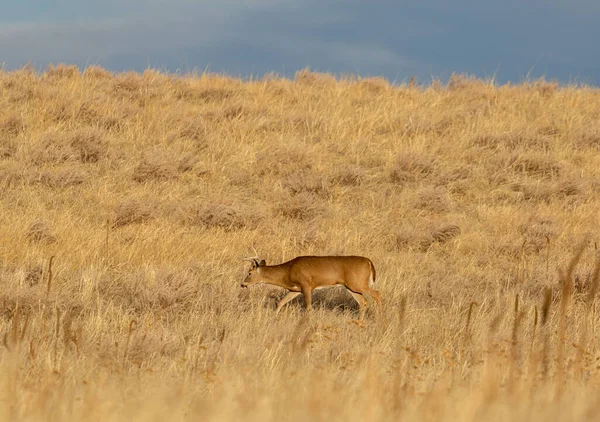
x=147, y=188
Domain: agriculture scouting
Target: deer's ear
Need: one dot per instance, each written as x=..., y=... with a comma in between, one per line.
x=262, y=263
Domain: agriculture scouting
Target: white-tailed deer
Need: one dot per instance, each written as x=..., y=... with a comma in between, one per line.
x=304, y=274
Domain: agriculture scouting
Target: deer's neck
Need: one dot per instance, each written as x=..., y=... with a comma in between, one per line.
x=276, y=275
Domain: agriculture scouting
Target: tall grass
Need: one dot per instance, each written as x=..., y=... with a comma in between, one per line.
x=126, y=201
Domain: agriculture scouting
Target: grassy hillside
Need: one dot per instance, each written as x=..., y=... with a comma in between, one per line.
x=146, y=189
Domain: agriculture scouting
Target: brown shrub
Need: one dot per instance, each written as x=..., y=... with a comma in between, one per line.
x=185, y=91
x=463, y=82
x=153, y=170
x=306, y=77
x=90, y=145
x=53, y=147
x=515, y=139
x=411, y=167
x=534, y=165
x=303, y=207
x=8, y=146
x=407, y=237
x=61, y=178
x=11, y=177
x=302, y=124
x=412, y=238
x=431, y=199
x=140, y=292
x=549, y=130
x=304, y=181
x=217, y=215
x=133, y=211
x=375, y=86
x=445, y=233
x=417, y=125
x=33, y=274
x=96, y=72
x=214, y=94
x=40, y=232
x=187, y=162
x=61, y=71
x=569, y=188
x=348, y=176
x=195, y=130
x=532, y=192
x=546, y=89
x=588, y=137
x=283, y=161
x=129, y=84
x=234, y=111
x=20, y=85
x=11, y=124
x=88, y=111
x=309, y=239
x=537, y=232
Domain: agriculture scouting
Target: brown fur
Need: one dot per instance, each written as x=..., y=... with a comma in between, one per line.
x=307, y=273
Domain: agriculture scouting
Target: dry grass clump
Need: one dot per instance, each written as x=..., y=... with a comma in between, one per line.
x=90, y=145
x=314, y=79
x=127, y=201
x=569, y=187
x=12, y=176
x=133, y=211
x=191, y=129
x=308, y=182
x=156, y=169
x=11, y=124
x=421, y=239
x=304, y=207
x=160, y=290
x=588, y=136
x=349, y=176
x=411, y=167
x=514, y=139
x=534, y=165
x=61, y=71
x=8, y=147
x=538, y=232
x=129, y=84
x=209, y=94
x=460, y=82
x=53, y=147
x=161, y=165
x=434, y=200
x=222, y=216
x=284, y=160
x=445, y=233
x=40, y=232
x=61, y=178
x=375, y=86
x=409, y=237
x=97, y=73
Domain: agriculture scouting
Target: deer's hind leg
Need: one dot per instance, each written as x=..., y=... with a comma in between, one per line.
x=362, y=303
x=375, y=295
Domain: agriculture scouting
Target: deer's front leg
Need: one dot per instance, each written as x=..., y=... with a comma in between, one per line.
x=290, y=296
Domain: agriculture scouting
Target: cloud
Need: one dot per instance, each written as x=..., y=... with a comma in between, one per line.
x=431, y=38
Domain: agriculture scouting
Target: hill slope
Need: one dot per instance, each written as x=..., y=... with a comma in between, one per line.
x=148, y=188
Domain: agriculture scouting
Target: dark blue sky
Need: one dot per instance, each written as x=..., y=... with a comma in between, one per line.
x=508, y=40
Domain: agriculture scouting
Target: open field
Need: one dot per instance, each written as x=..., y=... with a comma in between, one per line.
x=146, y=189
